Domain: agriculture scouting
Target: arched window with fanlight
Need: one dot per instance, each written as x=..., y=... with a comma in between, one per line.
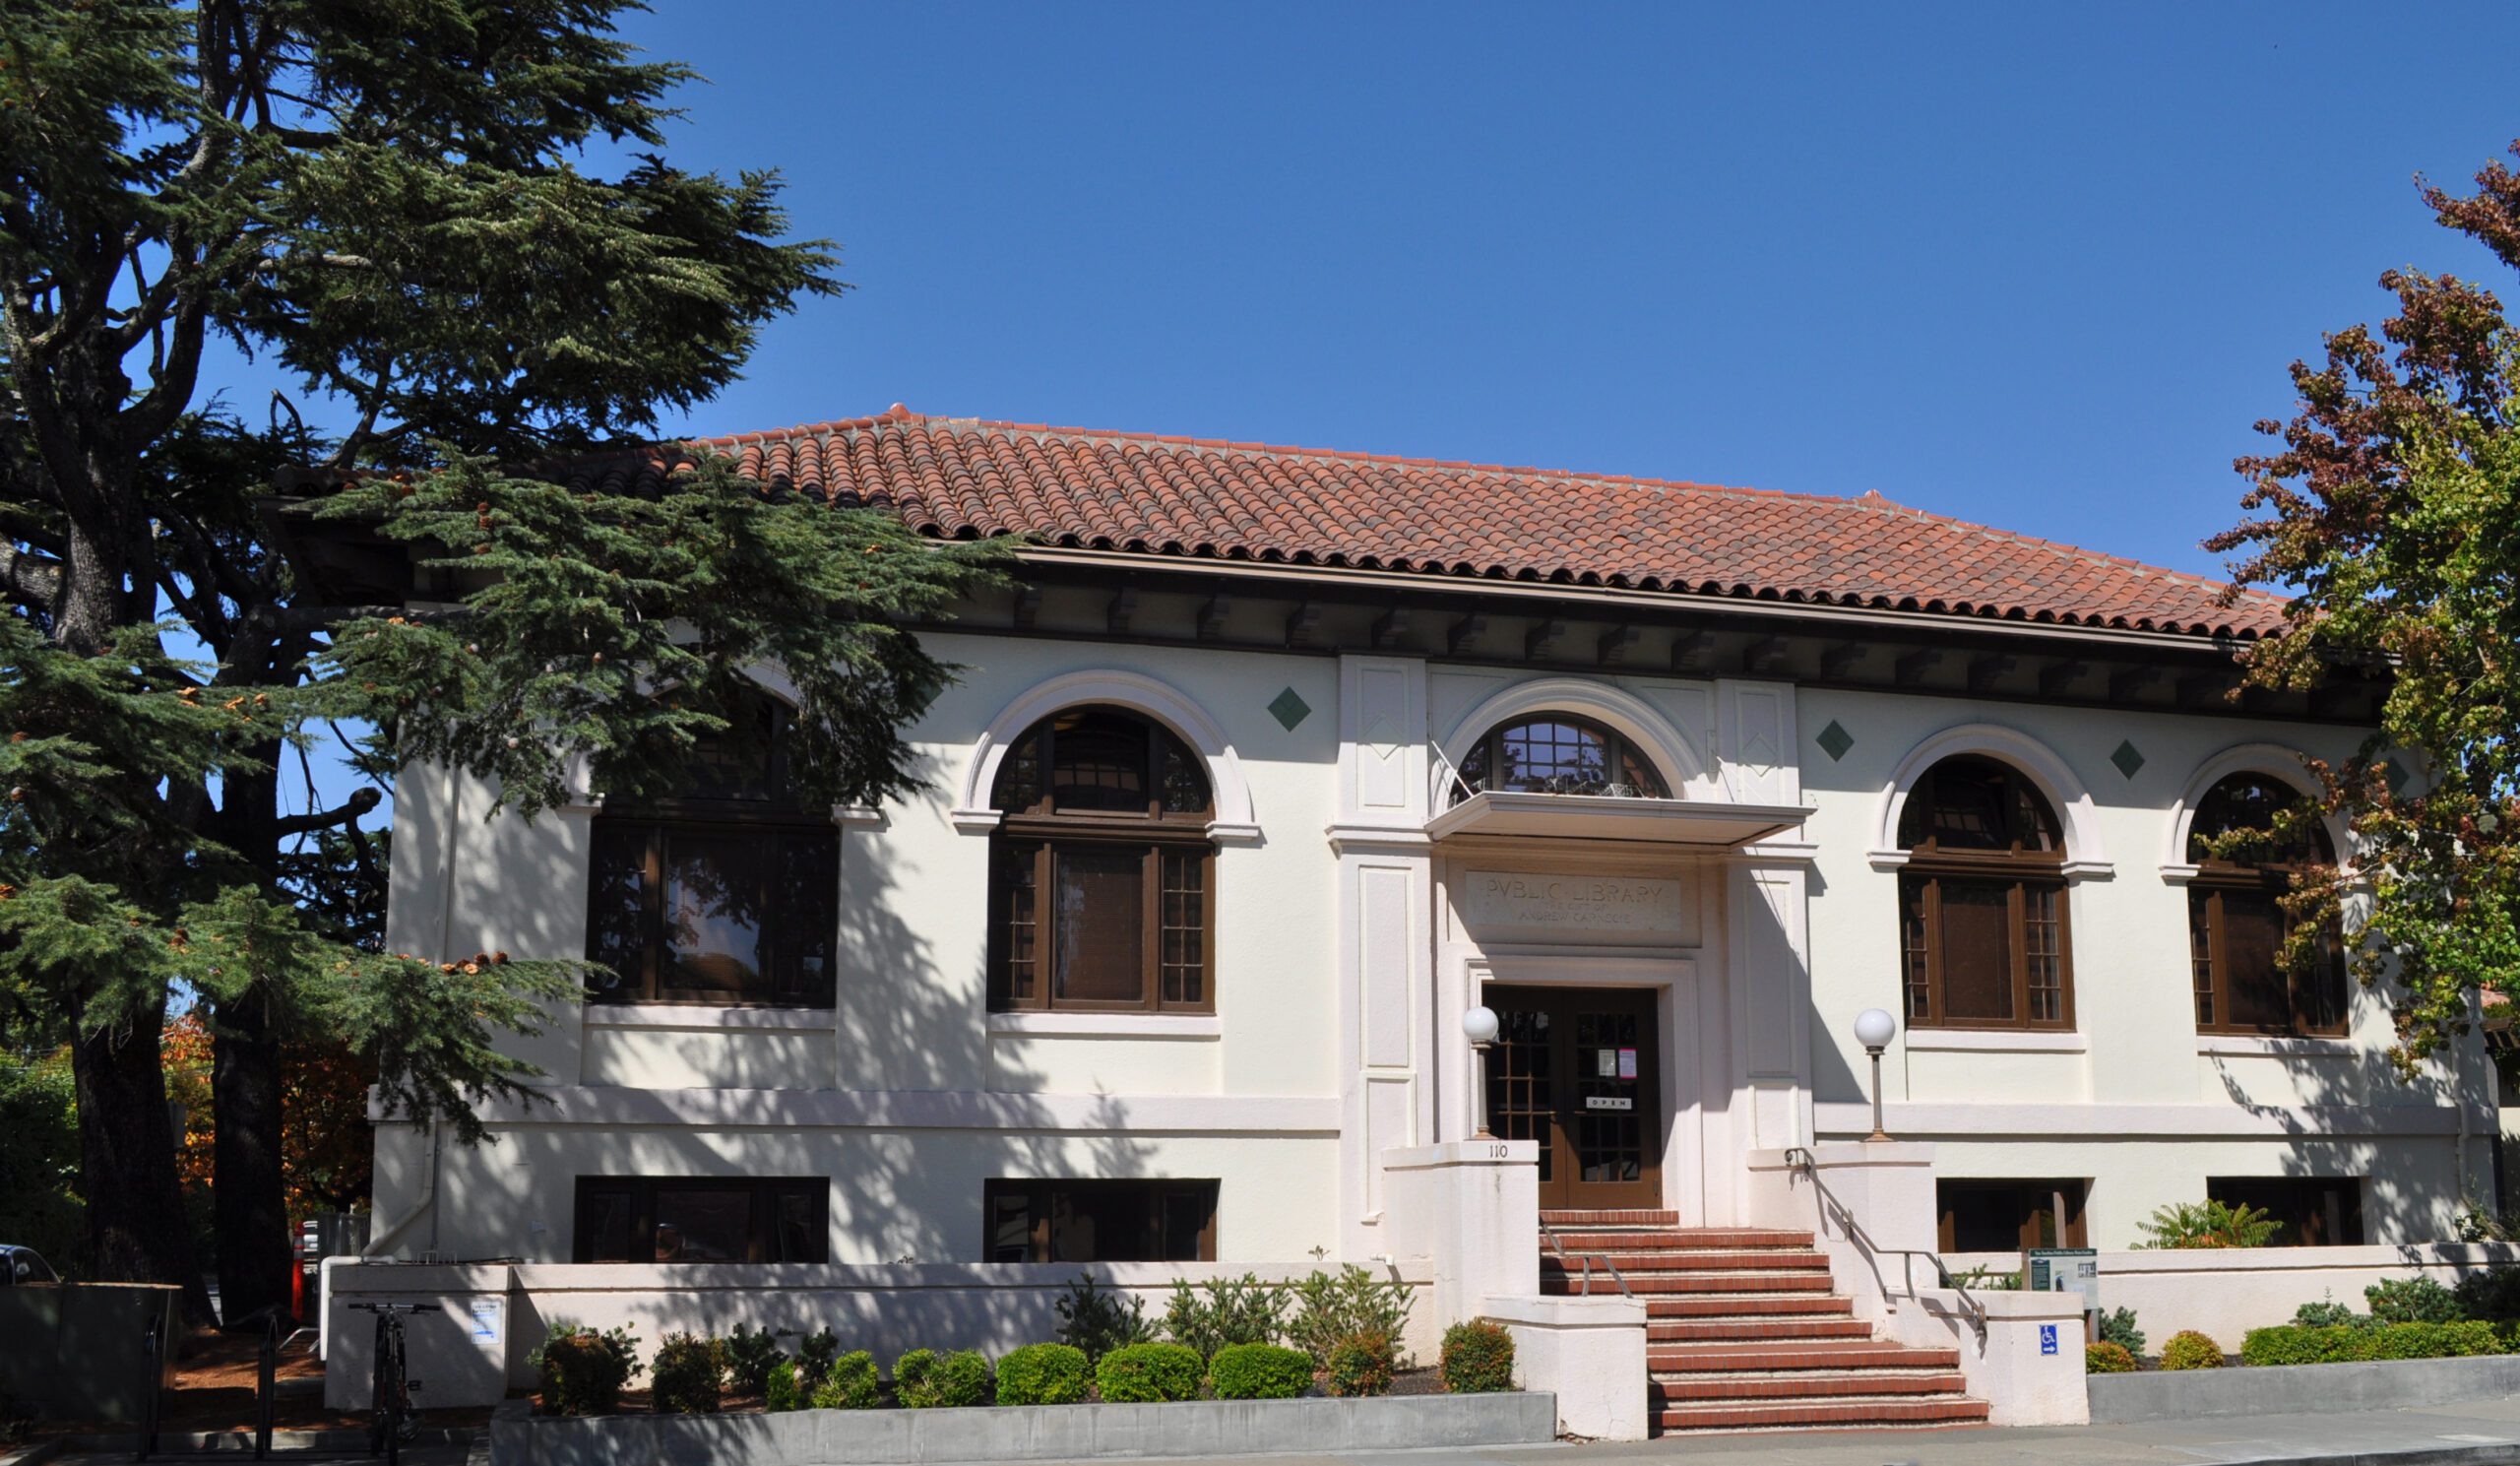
x=1983, y=901
x=1556, y=753
x=725, y=891
x=2237, y=925
x=1101, y=876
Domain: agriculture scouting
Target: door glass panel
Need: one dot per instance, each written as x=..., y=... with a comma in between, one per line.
x=1520, y=1101
x=1610, y=1107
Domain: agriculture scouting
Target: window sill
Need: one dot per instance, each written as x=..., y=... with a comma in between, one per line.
x=707, y=1016
x=1995, y=1040
x=1107, y=1025
x=2268, y=1046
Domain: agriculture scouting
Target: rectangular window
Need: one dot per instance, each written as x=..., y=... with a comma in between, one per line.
x=703, y=1218
x=1978, y=952
x=2010, y=1216
x=689, y=912
x=2314, y=1211
x=2236, y=934
x=1100, y=1221
x=1102, y=925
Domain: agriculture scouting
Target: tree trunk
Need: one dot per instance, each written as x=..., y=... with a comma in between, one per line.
x=248, y=1198
x=127, y=1161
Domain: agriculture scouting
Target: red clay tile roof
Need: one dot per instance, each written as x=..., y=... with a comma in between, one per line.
x=960, y=477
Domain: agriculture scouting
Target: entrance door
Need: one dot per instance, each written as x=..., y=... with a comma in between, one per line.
x=1578, y=1071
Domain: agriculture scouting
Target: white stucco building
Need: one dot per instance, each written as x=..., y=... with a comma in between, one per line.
x=1678, y=780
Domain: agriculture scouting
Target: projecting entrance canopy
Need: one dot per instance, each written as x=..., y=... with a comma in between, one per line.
x=1703, y=824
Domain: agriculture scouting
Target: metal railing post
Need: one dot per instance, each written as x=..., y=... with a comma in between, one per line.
x=266, y=1389
x=153, y=1349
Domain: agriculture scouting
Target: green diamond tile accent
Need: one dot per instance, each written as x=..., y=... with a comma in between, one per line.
x=2396, y=773
x=2128, y=757
x=1289, y=708
x=1835, y=741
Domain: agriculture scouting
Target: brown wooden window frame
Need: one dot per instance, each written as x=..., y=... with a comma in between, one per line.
x=1176, y=938
x=2031, y=878
x=2209, y=890
x=757, y=811
x=2309, y=1207
x=1040, y=1197
x=765, y=1193
x=2033, y=1200
x=1619, y=755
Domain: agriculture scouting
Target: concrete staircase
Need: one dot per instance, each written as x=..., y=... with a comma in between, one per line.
x=1744, y=1331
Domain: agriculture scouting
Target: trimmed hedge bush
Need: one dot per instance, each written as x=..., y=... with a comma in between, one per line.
x=961, y=1377
x=852, y=1386
x=2297, y=1344
x=2105, y=1358
x=1147, y=1374
x=1362, y=1364
x=782, y=1390
x=1259, y=1371
x=1041, y=1375
x=690, y=1375
x=1478, y=1357
x=2190, y=1349
x=750, y=1357
x=584, y=1372
x=910, y=1378
x=2411, y=1300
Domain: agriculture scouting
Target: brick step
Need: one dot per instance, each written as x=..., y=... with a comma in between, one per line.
x=1686, y=1259
x=1737, y=1308
x=1573, y=1284
x=1599, y=1239
x=1817, y=1385
x=1732, y=1329
x=1768, y=1358
x=1822, y=1413
x=1612, y=1218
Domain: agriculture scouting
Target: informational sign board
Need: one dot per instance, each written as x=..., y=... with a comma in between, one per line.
x=2063, y=1270
x=483, y=1317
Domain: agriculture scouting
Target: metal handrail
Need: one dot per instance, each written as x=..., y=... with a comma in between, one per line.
x=1586, y=1259
x=1800, y=1159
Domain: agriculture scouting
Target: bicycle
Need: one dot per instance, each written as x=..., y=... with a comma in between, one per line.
x=394, y=1424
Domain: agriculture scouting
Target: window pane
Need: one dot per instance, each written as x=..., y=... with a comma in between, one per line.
x=2200, y=953
x=1185, y=776
x=1187, y=1211
x=617, y=910
x=2042, y=934
x=806, y=917
x=703, y=1225
x=1100, y=925
x=714, y=886
x=1185, y=918
x=1010, y=1228
x=1977, y=951
x=798, y=1230
x=1548, y=756
x=1098, y=761
x=735, y=764
x=604, y=1226
x=1018, y=922
x=2253, y=975
x=1915, y=948
x=1019, y=777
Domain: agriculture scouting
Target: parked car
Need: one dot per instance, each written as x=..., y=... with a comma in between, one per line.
x=21, y=1265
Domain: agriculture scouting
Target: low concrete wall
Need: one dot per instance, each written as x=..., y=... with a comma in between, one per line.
x=1589, y=1352
x=2299, y=1389
x=1037, y=1433
x=498, y=1313
x=2225, y=1293
x=73, y=1351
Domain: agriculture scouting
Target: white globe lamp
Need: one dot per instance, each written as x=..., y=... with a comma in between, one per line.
x=1478, y=1025
x=1874, y=1029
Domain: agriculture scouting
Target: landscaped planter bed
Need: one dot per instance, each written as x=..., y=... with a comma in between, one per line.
x=1036, y=1432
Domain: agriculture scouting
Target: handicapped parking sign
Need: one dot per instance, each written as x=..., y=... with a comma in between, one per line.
x=2047, y=1338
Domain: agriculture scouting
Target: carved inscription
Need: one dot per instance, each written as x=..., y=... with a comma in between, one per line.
x=1574, y=902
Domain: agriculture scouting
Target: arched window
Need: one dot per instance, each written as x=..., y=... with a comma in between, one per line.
x=1102, y=877
x=2237, y=925
x=1983, y=901
x=726, y=892
x=1556, y=753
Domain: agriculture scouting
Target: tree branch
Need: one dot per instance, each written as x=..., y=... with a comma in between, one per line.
x=38, y=583
x=347, y=811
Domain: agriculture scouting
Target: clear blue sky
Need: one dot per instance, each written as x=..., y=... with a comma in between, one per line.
x=2035, y=265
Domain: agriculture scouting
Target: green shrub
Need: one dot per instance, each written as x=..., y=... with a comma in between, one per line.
x=1098, y=1321
x=2118, y=1326
x=2208, y=1224
x=1228, y=1310
x=911, y=1375
x=1259, y=1371
x=961, y=1377
x=1041, y=1375
x=2491, y=1294
x=782, y=1390
x=814, y=1355
x=1329, y=1310
x=584, y=1372
x=2106, y=1358
x=1144, y=1373
x=750, y=1357
x=1478, y=1357
x=2190, y=1349
x=2294, y=1344
x=2411, y=1300
x=1363, y=1365
x=690, y=1375
x=852, y=1383
x=2327, y=1314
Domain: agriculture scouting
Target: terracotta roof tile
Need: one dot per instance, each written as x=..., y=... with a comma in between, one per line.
x=960, y=477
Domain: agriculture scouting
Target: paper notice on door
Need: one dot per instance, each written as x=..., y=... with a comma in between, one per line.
x=1606, y=1063
x=1628, y=1064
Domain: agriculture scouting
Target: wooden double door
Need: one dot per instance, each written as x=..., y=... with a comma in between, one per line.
x=1579, y=1070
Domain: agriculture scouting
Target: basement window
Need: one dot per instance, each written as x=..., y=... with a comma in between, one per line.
x=703, y=1218
x=2313, y=1211
x=1101, y=1221
x=2010, y=1216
